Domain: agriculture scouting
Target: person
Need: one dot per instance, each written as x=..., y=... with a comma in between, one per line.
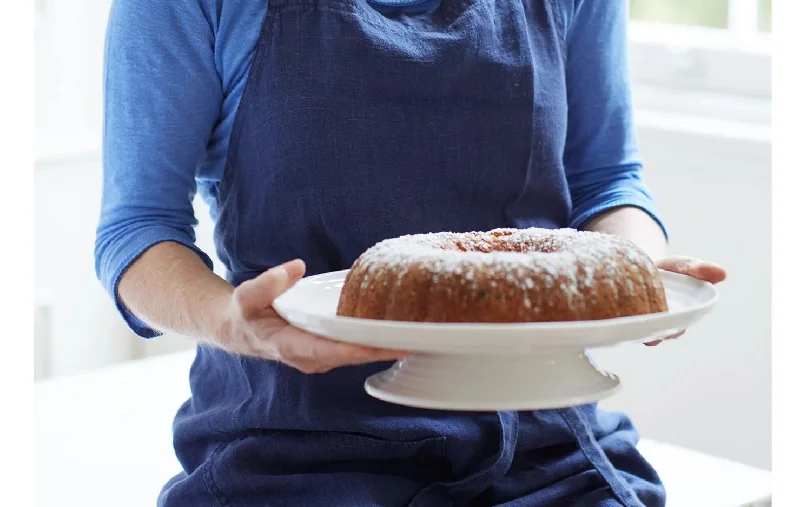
x=314, y=129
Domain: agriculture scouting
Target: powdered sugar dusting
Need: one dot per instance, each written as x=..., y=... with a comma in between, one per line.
x=574, y=264
x=514, y=255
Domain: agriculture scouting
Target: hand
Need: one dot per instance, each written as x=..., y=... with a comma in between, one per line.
x=701, y=270
x=251, y=327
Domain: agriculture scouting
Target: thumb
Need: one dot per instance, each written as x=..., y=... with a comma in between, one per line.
x=256, y=296
x=697, y=268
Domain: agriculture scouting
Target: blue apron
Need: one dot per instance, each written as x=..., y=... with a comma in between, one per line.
x=359, y=124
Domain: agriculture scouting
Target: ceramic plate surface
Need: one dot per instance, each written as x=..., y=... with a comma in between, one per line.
x=311, y=305
x=491, y=366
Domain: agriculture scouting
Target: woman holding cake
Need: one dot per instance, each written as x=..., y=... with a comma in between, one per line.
x=316, y=129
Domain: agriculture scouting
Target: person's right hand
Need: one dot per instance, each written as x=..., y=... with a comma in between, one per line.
x=251, y=327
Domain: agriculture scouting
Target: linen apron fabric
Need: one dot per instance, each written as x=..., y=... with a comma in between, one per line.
x=359, y=124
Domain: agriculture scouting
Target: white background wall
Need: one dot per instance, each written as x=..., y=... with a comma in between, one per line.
x=710, y=390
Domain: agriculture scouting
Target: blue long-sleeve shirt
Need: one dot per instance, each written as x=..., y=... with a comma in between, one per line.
x=174, y=77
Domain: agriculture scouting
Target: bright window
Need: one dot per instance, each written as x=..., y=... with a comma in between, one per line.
x=710, y=13
x=717, y=46
x=765, y=15
x=737, y=15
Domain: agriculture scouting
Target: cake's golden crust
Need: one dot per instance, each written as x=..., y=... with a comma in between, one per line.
x=504, y=275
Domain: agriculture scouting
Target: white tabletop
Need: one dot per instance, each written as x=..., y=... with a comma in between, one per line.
x=104, y=438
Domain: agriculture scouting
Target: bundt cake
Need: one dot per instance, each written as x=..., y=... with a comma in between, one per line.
x=504, y=275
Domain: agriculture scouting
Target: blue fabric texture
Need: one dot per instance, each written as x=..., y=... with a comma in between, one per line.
x=404, y=6
x=316, y=128
x=174, y=81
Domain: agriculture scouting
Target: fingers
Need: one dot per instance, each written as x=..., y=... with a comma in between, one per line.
x=313, y=354
x=710, y=272
x=703, y=270
x=295, y=268
x=670, y=337
x=254, y=297
x=262, y=333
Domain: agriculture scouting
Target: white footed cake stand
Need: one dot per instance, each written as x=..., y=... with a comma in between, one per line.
x=491, y=366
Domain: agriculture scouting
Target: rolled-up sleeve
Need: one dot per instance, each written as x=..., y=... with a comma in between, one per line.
x=601, y=155
x=162, y=96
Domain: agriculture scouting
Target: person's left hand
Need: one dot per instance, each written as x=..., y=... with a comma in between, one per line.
x=703, y=270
